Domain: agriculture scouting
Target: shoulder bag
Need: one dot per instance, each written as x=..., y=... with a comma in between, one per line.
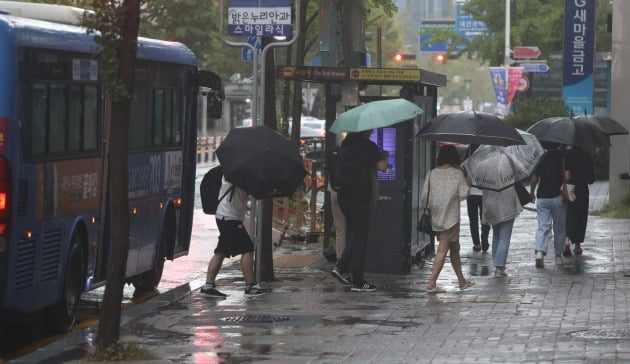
x=424, y=225
x=568, y=190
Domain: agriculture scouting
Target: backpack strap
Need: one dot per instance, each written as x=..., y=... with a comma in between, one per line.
x=230, y=191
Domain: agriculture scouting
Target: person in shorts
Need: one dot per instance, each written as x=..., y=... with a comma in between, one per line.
x=233, y=240
x=448, y=187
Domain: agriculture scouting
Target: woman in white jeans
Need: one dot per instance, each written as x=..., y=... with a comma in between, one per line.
x=500, y=209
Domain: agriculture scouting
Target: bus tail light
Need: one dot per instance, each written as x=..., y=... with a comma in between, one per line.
x=5, y=194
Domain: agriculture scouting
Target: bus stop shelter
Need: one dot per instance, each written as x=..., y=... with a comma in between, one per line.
x=394, y=242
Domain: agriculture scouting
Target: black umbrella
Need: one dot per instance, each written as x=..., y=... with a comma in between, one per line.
x=471, y=127
x=261, y=162
x=570, y=131
x=608, y=125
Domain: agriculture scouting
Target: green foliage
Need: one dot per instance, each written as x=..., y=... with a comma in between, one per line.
x=106, y=25
x=120, y=351
x=526, y=112
x=620, y=210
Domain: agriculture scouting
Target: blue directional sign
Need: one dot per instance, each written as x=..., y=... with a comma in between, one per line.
x=263, y=18
x=246, y=52
x=466, y=25
x=535, y=67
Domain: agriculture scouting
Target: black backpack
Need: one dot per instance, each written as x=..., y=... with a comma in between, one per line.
x=342, y=170
x=209, y=190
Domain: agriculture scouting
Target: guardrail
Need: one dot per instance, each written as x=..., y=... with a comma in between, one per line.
x=206, y=148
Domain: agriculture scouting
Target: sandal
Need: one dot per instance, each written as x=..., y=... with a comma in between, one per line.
x=468, y=284
x=577, y=250
x=435, y=289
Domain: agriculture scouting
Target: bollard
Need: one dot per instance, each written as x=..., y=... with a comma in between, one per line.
x=207, y=151
x=198, y=154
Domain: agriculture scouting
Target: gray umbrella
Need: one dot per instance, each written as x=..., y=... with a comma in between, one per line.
x=496, y=168
x=569, y=131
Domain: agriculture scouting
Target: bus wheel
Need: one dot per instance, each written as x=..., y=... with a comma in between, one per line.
x=148, y=281
x=62, y=315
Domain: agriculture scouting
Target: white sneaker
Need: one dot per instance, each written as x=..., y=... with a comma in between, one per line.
x=540, y=259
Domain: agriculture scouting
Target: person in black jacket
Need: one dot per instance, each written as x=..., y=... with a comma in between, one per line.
x=580, y=164
x=355, y=202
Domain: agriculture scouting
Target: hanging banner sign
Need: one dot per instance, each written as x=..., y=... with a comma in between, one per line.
x=514, y=79
x=578, y=55
x=499, y=82
x=262, y=18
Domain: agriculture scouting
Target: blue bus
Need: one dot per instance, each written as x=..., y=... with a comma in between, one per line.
x=54, y=220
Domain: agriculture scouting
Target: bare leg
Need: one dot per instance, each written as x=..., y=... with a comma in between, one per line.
x=247, y=267
x=438, y=263
x=456, y=262
x=213, y=267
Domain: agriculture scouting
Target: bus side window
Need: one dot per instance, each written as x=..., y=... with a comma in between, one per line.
x=57, y=119
x=39, y=97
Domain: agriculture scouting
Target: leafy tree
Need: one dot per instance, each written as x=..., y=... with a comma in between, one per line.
x=196, y=24
x=526, y=112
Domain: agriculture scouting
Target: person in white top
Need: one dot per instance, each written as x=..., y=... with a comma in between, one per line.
x=233, y=240
x=448, y=187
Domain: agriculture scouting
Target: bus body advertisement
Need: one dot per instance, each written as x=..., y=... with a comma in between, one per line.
x=54, y=221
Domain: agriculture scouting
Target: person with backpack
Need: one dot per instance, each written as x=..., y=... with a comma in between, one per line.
x=356, y=184
x=233, y=238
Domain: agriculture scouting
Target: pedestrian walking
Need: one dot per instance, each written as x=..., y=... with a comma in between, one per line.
x=474, y=204
x=233, y=240
x=549, y=176
x=362, y=158
x=448, y=187
x=580, y=166
x=500, y=210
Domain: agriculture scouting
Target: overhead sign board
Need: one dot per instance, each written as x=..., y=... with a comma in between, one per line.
x=535, y=67
x=385, y=74
x=526, y=52
x=263, y=18
x=323, y=74
x=466, y=25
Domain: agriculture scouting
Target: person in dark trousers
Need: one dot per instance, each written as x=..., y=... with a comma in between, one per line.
x=550, y=207
x=356, y=204
x=233, y=240
x=580, y=164
x=475, y=212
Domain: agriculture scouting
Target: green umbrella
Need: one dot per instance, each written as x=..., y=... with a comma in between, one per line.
x=375, y=114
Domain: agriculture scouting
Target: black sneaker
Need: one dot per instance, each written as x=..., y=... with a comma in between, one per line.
x=340, y=277
x=365, y=287
x=255, y=289
x=211, y=290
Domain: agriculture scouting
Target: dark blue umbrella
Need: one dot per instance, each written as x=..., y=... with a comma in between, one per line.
x=569, y=131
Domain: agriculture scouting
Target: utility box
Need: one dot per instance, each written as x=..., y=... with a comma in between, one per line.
x=394, y=241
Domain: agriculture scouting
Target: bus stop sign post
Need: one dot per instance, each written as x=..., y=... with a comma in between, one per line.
x=257, y=88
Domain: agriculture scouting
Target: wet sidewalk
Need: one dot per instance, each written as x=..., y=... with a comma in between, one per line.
x=574, y=313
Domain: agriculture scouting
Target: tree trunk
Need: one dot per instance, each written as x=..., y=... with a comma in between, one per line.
x=109, y=323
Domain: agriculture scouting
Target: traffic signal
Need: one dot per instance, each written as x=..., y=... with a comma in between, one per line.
x=399, y=57
x=440, y=58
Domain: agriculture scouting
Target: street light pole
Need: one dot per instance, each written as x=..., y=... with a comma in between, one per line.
x=507, y=55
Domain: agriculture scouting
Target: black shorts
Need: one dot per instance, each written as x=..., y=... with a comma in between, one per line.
x=233, y=238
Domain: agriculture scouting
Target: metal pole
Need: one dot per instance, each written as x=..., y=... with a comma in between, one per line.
x=507, y=54
x=258, y=220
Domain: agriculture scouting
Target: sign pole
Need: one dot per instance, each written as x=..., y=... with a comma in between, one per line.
x=507, y=53
x=258, y=226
